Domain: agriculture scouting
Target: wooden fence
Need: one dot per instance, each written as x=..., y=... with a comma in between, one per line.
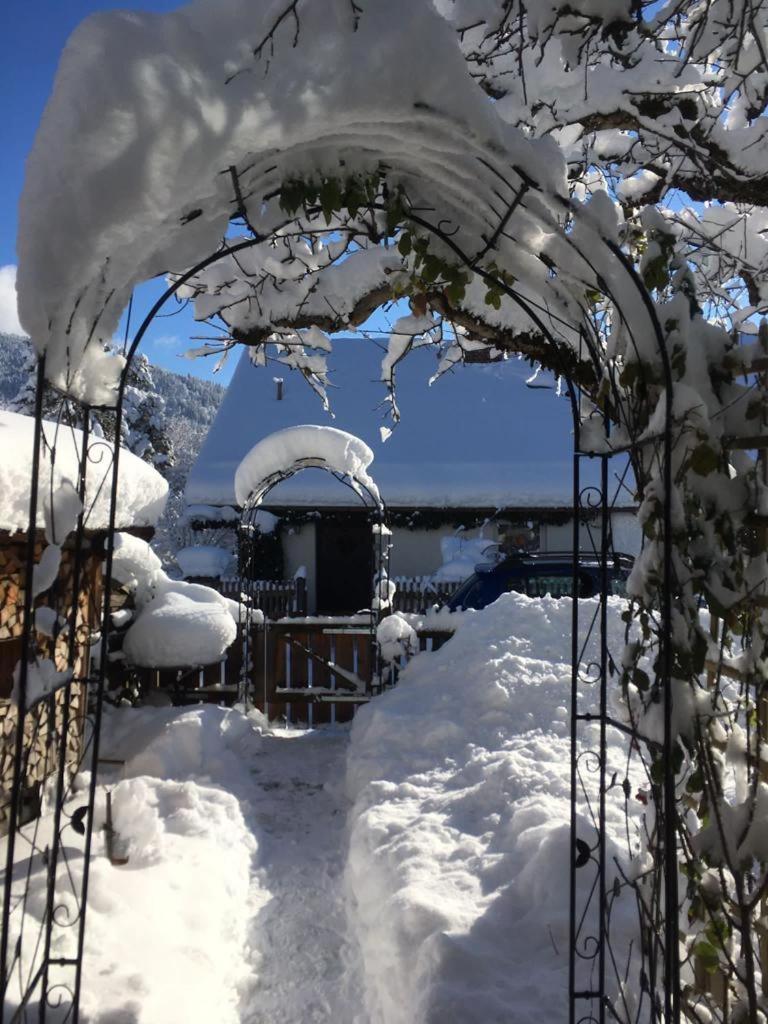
x=419, y=593
x=311, y=670
x=278, y=599
x=305, y=671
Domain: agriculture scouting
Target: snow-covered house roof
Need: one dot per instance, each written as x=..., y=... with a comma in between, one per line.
x=141, y=490
x=476, y=438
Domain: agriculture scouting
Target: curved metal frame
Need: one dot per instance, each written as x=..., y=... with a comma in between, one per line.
x=247, y=524
x=589, y=1001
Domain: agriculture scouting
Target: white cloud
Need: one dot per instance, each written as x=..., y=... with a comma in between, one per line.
x=9, y=315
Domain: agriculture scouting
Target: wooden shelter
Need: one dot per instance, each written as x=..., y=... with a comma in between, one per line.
x=67, y=614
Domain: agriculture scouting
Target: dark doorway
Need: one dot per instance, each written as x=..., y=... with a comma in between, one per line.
x=344, y=553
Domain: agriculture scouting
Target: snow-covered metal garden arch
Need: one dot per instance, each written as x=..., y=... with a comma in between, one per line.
x=401, y=187
x=278, y=457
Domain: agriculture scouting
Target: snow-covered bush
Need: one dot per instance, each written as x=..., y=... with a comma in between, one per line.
x=176, y=623
x=396, y=638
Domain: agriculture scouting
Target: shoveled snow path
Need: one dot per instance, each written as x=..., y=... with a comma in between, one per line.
x=305, y=971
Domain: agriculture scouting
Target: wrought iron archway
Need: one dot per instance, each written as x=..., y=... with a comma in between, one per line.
x=372, y=502
x=41, y=959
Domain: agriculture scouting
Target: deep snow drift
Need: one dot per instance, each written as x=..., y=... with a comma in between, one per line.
x=458, y=864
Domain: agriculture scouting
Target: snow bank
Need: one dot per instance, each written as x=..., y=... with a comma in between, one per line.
x=458, y=861
x=204, y=560
x=141, y=491
x=177, y=623
x=301, y=447
x=167, y=933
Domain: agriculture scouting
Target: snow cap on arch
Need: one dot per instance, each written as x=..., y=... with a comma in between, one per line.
x=128, y=177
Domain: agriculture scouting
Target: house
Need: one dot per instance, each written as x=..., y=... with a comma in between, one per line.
x=476, y=454
x=71, y=595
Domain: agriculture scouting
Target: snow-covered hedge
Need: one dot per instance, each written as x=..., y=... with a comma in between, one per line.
x=176, y=623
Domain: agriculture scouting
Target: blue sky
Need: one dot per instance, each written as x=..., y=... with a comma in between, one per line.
x=33, y=34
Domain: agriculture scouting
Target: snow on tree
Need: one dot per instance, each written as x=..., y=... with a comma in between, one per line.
x=535, y=165
x=143, y=423
x=143, y=428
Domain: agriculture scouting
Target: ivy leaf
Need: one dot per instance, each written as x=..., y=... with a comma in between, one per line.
x=708, y=956
x=404, y=244
x=330, y=198
x=704, y=459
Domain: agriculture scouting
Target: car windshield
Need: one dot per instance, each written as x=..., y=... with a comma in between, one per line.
x=483, y=588
x=480, y=590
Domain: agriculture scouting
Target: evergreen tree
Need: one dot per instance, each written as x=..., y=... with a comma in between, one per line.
x=144, y=428
x=55, y=406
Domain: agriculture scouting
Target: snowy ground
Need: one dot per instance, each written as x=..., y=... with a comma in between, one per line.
x=411, y=870
x=258, y=932
x=305, y=968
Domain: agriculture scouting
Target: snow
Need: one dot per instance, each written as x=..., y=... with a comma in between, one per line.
x=461, y=555
x=396, y=638
x=286, y=451
x=212, y=513
x=462, y=442
x=81, y=249
x=42, y=679
x=184, y=624
x=204, y=560
x=459, y=827
x=177, y=623
x=363, y=877
x=141, y=491
x=133, y=561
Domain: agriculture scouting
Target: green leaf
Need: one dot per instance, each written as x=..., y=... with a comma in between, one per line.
x=404, y=243
x=695, y=783
x=655, y=273
x=640, y=679
x=708, y=956
x=330, y=198
x=455, y=292
x=493, y=298
x=704, y=459
x=432, y=268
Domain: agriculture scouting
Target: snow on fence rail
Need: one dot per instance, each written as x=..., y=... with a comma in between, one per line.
x=279, y=599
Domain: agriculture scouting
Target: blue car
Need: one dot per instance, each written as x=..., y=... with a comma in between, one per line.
x=539, y=574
